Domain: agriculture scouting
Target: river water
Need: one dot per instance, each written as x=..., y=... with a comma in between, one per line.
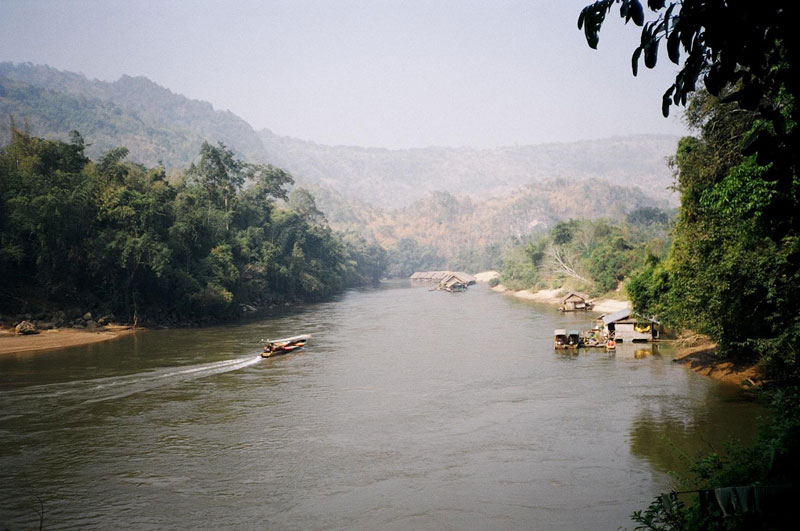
x=410, y=409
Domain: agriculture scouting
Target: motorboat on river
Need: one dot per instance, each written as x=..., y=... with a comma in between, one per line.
x=275, y=347
x=559, y=338
x=574, y=339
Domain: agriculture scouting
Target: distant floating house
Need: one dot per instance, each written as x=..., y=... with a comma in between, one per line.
x=440, y=276
x=624, y=325
x=445, y=280
x=574, y=301
x=452, y=282
x=466, y=278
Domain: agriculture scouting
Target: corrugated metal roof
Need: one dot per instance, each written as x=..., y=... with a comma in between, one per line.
x=616, y=316
x=624, y=315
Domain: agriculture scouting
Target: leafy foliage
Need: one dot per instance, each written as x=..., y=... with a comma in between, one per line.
x=119, y=237
x=746, y=46
x=733, y=269
x=770, y=462
x=156, y=125
x=592, y=255
x=408, y=256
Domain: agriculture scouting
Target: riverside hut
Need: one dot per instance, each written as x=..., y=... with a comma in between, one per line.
x=453, y=283
x=625, y=325
x=575, y=301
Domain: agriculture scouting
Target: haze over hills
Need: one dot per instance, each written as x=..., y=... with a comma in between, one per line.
x=155, y=124
x=450, y=198
x=455, y=226
x=392, y=178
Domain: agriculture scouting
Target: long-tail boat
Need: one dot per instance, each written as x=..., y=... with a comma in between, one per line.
x=274, y=347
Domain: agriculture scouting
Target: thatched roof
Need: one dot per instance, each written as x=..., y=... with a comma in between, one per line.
x=452, y=280
x=577, y=295
x=466, y=278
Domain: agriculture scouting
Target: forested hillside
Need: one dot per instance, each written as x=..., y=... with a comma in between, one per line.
x=430, y=206
x=157, y=125
x=462, y=232
x=160, y=127
x=117, y=237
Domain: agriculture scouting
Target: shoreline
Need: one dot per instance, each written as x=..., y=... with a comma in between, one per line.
x=59, y=338
x=702, y=359
x=553, y=296
x=699, y=358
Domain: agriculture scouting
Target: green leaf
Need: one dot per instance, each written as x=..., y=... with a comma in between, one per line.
x=779, y=123
x=673, y=46
x=635, y=60
x=651, y=55
x=637, y=12
x=666, y=101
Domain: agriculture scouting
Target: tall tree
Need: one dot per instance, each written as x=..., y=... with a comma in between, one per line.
x=744, y=52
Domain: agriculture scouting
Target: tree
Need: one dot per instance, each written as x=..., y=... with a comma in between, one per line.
x=745, y=53
x=219, y=174
x=730, y=272
x=647, y=216
x=734, y=262
x=751, y=46
x=114, y=235
x=302, y=202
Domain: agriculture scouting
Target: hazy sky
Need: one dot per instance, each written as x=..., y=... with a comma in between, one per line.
x=363, y=72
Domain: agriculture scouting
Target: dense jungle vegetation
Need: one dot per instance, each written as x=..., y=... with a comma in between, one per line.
x=733, y=269
x=120, y=238
x=594, y=256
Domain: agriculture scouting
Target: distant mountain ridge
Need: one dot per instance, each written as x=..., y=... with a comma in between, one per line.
x=161, y=127
x=456, y=224
x=392, y=178
x=155, y=124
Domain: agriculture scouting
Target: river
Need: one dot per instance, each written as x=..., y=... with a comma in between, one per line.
x=409, y=409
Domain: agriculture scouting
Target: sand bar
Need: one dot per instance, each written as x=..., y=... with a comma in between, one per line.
x=58, y=338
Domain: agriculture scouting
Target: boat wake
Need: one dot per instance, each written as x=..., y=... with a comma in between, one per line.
x=83, y=392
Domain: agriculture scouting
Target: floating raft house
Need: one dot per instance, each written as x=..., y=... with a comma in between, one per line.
x=575, y=301
x=445, y=280
x=625, y=325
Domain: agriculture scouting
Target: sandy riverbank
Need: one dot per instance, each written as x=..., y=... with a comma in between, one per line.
x=58, y=338
x=553, y=296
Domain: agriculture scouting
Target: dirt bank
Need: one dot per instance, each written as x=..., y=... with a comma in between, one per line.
x=702, y=359
x=58, y=338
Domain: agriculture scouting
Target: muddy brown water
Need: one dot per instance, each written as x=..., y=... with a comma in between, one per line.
x=410, y=409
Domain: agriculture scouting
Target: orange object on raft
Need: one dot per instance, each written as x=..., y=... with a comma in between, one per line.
x=274, y=347
x=611, y=345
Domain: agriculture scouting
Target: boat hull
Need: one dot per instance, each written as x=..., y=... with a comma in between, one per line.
x=277, y=347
